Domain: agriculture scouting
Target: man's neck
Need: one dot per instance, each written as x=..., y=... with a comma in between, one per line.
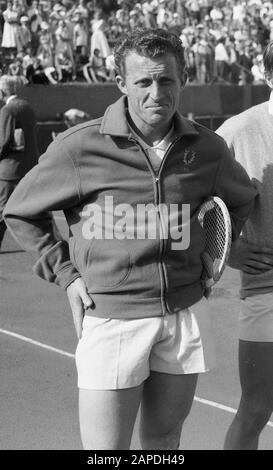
x=149, y=134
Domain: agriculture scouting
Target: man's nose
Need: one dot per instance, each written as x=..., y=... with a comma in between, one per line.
x=155, y=91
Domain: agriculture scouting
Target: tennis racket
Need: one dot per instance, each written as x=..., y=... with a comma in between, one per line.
x=215, y=220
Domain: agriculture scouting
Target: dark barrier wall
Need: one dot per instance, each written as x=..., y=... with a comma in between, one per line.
x=210, y=105
x=49, y=101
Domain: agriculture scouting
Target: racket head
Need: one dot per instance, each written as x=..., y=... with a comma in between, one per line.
x=215, y=220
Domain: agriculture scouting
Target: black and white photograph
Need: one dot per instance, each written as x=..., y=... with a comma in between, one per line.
x=136, y=229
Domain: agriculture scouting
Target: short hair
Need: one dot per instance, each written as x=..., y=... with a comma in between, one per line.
x=149, y=42
x=268, y=58
x=10, y=84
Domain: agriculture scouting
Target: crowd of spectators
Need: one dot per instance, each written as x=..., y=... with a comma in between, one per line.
x=49, y=41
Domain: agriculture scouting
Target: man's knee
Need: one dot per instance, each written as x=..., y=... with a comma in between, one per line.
x=254, y=415
x=165, y=440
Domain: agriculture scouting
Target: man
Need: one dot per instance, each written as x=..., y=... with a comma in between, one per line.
x=18, y=141
x=136, y=294
x=249, y=136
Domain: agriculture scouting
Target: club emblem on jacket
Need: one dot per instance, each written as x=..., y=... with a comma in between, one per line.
x=189, y=157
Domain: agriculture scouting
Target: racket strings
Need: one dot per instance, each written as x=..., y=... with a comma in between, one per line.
x=215, y=240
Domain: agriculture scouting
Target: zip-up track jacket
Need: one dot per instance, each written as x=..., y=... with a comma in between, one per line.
x=99, y=161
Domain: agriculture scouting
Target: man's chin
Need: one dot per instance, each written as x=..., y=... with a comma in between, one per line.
x=160, y=118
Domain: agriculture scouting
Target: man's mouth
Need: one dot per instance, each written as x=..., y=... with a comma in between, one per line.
x=156, y=106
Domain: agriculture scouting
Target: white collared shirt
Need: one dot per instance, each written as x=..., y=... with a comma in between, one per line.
x=157, y=151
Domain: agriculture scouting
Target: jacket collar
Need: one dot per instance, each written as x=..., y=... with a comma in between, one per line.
x=114, y=121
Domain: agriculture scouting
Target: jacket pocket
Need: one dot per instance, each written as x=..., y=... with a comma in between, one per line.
x=106, y=263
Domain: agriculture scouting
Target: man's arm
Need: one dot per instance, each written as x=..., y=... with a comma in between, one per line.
x=249, y=257
x=51, y=185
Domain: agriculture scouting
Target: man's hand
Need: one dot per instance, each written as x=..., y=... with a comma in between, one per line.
x=79, y=300
x=250, y=258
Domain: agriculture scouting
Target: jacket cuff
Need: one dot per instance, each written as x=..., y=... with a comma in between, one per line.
x=66, y=276
x=55, y=265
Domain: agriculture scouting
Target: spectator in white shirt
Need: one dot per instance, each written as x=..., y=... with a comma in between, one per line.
x=238, y=12
x=216, y=13
x=257, y=70
x=221, y=59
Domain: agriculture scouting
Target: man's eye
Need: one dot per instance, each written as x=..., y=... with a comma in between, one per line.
x=144, y=82
x=165, y=81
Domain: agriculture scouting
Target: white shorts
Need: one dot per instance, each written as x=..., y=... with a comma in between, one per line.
x=256, y=318
x=119, y=353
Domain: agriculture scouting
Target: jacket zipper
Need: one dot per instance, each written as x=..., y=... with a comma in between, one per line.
x=162, y=250
x=156, y=181
x=166, y=308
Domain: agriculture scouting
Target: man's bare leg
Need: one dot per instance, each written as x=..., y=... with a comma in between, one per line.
x=166, y=402
x=107, y=417
x=256, y=405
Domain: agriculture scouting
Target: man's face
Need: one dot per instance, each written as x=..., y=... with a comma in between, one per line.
x=153, y=88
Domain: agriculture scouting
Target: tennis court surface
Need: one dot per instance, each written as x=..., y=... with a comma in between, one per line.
x=38, y=405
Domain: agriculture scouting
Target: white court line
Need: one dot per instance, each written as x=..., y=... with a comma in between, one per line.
x=36, y=343
x=64, y=353
x=222, y=407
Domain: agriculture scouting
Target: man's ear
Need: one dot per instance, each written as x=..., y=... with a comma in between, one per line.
x=184, y=79
x=120, y=81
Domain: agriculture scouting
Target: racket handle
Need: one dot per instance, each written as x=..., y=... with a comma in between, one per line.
x=208, y=283
x=207, y=292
